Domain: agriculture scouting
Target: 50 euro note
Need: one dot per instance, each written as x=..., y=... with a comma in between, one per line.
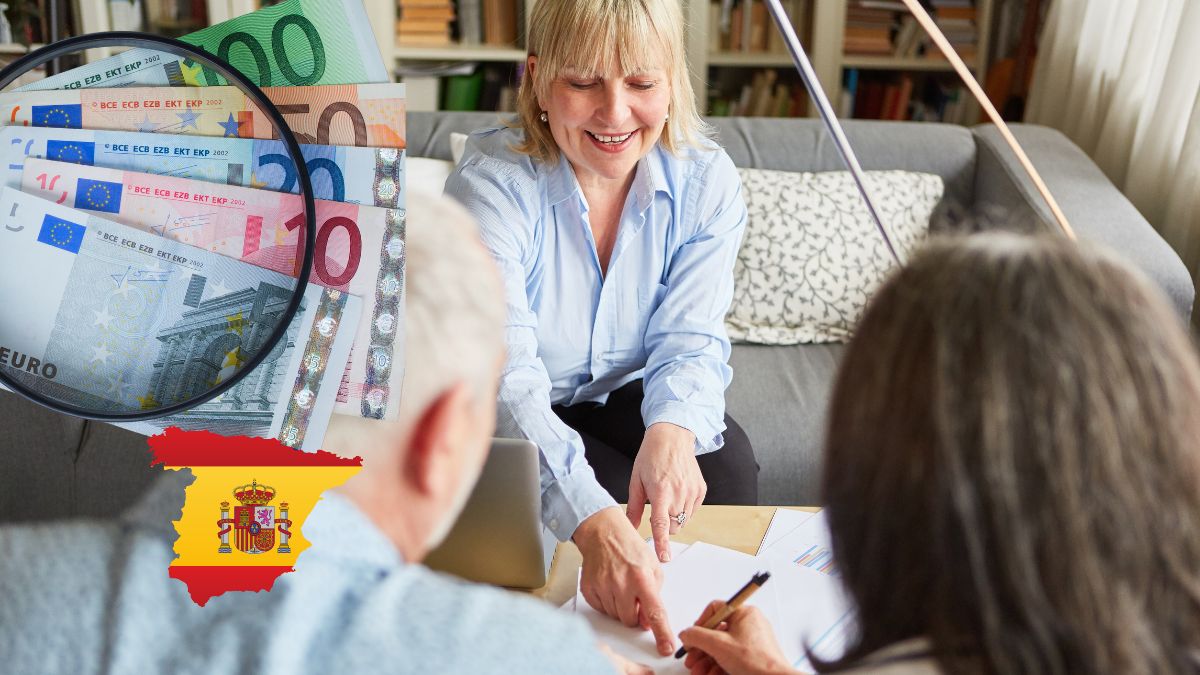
x=372, y=176
x=359, y=250
x=296, y=42
x=360, y=115
x=109, y=318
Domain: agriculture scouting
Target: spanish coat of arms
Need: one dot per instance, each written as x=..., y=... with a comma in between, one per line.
x=254, y=522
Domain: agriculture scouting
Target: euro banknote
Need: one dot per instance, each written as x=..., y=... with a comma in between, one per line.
x=120, y=320
x=359, y=250
x=360, y=115
x=296, y=42
x=372, y=176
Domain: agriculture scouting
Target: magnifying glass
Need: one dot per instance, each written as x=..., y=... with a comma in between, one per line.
x=112, y=322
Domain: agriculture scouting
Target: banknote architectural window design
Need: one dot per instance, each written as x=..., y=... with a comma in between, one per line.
x=209, y=344
x=254, y=522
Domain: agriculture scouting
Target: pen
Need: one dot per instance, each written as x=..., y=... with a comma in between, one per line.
x=734, y=603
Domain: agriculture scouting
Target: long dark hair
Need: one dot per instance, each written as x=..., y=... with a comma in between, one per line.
x=1012, y=467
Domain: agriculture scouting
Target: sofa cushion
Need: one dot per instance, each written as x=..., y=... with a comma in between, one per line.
x=812, y=256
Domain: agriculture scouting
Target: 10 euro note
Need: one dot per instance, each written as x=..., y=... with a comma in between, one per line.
x=296, y=42
x=120, y=320
x=359, y=250
x=372, y=176
x=364, y=115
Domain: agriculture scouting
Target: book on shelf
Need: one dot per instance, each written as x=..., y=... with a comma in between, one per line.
x=500, y=22
x=470, y=22
x=958, y=23
x=764, y=96
x=929, y=97
x=751, y=29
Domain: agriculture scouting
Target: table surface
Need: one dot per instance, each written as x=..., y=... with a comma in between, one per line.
x=737, y=527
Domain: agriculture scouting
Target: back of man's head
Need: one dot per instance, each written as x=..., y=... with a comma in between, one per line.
x=454, y=311
x=419, y=468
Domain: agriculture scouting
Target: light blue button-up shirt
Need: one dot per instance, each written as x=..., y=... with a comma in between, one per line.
x=575, y=334
x=94, y=597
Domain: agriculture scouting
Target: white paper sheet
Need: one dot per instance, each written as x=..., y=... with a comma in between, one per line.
x=782, y=523
x=816, y=614
x=634, y=643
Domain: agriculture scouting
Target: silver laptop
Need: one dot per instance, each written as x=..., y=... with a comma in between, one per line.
x=499, y=538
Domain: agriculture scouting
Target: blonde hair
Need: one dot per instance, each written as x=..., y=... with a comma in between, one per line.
x=586, y=35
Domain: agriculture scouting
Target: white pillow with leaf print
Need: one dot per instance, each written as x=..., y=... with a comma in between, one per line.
x=812, y=257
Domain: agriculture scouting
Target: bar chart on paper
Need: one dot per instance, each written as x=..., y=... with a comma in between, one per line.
x=817, y=558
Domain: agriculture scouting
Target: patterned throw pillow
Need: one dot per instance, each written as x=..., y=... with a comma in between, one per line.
x=812, y=257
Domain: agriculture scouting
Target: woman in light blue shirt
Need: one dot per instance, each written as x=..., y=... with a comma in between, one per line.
x=616, y=224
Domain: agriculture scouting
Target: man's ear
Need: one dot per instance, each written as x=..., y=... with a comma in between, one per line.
x=435, y=438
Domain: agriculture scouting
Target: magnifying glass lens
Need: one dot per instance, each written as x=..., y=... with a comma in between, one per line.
x=140, y=289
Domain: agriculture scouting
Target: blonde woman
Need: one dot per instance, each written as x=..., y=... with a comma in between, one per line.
x=1012, y=474
x=616, y=223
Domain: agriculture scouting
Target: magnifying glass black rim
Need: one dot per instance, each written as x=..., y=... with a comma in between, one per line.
x=179, y=48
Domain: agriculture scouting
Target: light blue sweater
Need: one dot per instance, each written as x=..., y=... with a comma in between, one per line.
x=94, y=597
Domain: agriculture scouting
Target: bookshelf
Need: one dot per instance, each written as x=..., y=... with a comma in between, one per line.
x=821, y=25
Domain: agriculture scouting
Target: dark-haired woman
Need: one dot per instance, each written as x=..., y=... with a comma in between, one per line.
x=1012, y=476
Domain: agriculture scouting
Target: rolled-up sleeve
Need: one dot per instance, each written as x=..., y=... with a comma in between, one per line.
x=687, y=370
x=504, y=199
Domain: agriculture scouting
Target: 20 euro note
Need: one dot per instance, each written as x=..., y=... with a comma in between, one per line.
x=296, y=42
x=359, y=249
x=109, y=318
x=372, y=176
x=359, y=115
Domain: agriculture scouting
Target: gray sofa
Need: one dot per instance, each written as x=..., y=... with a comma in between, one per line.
x=52, y=466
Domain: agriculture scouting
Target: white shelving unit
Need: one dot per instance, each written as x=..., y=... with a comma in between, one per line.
x=822, y=42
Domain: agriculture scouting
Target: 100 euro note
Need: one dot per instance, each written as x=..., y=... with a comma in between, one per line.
x=372, y=176
x=363, y=115
x=296, y=42
x=359, y=249
x=109, y=318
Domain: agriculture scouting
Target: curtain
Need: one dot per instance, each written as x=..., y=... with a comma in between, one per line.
x=1121, y=78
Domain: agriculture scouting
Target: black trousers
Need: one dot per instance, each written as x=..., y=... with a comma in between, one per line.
x=612, y=434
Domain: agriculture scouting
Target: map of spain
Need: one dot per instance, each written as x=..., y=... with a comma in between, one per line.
x=241, y=523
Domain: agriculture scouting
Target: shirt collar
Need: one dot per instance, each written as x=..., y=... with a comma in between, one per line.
x=648, y=179
x=561, y=182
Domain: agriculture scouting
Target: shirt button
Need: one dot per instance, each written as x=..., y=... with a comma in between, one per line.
x=554, y=523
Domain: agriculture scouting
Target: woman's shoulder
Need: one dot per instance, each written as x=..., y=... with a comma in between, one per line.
x=493, y=150
x=493, y=170
x=696, y=164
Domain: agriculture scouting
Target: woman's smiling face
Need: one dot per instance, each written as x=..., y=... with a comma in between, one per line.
x=605, y=122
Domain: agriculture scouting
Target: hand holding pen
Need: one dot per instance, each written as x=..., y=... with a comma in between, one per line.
x=731, y=638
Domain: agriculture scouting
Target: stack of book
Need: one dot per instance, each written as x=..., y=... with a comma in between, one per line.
x=910, y=40
x=424, y=22
x=956, y=18
x=870, y=25
x=876, y=98
x=765, y=96
x=869, y=94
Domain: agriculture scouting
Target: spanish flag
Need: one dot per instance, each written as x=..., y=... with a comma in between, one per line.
x=241, y=523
